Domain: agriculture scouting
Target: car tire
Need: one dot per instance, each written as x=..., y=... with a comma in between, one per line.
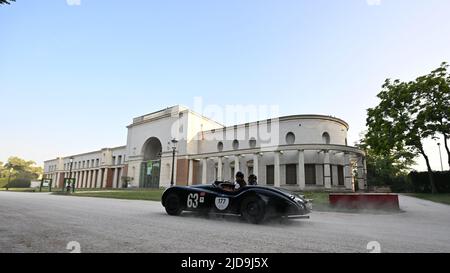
x=173, y=205
x=253, y=209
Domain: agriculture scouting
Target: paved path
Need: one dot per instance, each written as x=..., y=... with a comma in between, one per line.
x=40, y=222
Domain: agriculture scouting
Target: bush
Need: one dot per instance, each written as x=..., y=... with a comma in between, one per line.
x=19, y=183
x=3, y=182
x=420, y=182
x=401, y=184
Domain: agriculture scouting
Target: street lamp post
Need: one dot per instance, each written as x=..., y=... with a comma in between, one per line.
x=70, y=175
x=174, y=148
x=440, y=156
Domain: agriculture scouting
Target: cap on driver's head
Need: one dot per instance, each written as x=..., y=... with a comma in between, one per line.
x=240, y=175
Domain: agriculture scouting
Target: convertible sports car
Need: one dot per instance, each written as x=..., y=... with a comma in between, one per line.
x=253, y=203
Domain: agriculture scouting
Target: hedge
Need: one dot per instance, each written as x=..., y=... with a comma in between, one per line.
x=3, y=182
x=420, y=183
x=15, y=183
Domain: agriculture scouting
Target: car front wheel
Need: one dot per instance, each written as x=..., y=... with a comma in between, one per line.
x=173, y=205
x=253, y=209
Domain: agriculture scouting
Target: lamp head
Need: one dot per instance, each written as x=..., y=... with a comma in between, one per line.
x=174, y=143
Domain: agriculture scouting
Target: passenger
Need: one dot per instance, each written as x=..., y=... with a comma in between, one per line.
x=240, y=181
x=253, y=180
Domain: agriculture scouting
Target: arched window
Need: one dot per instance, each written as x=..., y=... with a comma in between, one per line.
x=236, y=144
x=252, y=143
x=326, y=138
x=290, y=138
x=152, y=149
x=220, y=146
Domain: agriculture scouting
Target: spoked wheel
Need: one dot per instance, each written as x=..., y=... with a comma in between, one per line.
x=253, y=209
x=173, y=205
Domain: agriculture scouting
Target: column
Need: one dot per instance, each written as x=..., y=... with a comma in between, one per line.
x=236, y=165
x=84, y=179
x=277, y=172
x=75, y=175
x=191, y=172
x=88, y=183
x=79, y=180
x=347, y=172
x=120, y=178
x=220, y=168
x=105, y=178
x=114, y=185
x=98, y=183
x=256, y=164
x=301, y=181
x=365, y=173
x=327, y=171
x=204, y=171
x=361, y=180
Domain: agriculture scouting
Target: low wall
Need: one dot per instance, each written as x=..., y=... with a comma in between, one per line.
x=365, y=201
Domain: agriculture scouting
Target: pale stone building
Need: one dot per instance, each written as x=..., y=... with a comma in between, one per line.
x=301, y=152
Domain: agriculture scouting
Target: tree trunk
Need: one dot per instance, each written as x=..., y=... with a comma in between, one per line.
x=447, y=148
x=430, y=172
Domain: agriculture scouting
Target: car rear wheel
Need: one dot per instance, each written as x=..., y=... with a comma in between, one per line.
x=173, y=205
x=253, y=209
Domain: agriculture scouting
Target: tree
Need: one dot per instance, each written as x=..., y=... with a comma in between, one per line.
x=433, y=91
x=385, y=170
x=2, y=2
x=2, y=169
x=397, y=124
x=25, y=169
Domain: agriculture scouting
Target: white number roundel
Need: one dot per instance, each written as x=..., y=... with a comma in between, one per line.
x=192, y=201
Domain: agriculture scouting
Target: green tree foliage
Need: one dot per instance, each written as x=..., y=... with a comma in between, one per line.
x=409, y=113
x=2, y=2
x=387, y=169
x=398, y=124
x=433, y=92
x=24, y=169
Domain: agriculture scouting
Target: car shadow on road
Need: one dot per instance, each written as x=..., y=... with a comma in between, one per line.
x=237, y=219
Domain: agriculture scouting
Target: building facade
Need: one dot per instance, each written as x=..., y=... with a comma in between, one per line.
x=301, y=152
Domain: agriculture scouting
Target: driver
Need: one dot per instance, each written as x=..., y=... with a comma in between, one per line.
x=240, y=182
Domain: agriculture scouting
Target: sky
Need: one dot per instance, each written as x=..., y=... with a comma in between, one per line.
x=73, y=73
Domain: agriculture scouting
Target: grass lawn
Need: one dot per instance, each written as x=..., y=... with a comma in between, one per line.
x=320, y=200
x=443, y=198
x=24, y=189
x=138, y=194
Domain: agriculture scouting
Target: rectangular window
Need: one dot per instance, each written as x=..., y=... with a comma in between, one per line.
x=341, y=175
x=270, y=174
x=119, y=160
x=291, y=174
x=310, y=174
x=97, y=162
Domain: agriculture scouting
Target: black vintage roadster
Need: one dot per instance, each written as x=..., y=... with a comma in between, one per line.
x=253, y=203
